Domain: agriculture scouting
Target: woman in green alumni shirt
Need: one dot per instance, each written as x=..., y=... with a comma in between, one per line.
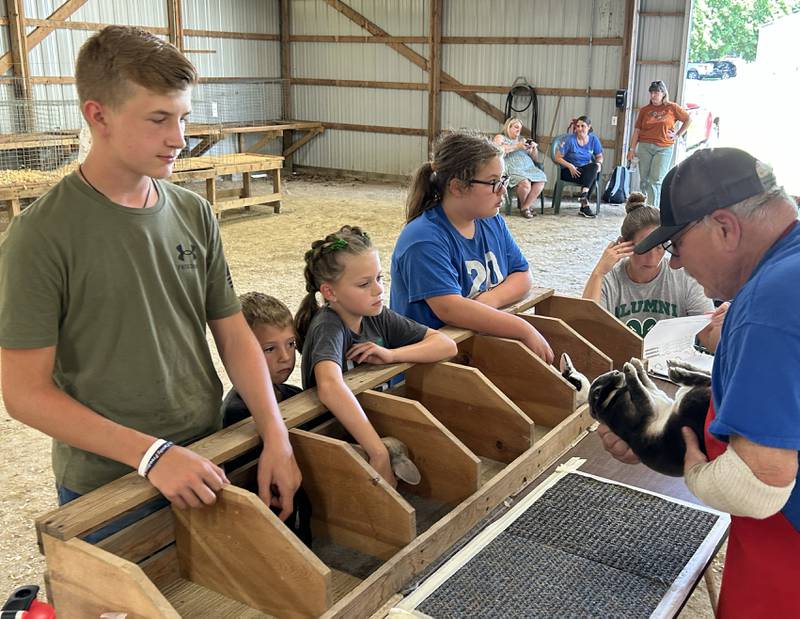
x=641, y=290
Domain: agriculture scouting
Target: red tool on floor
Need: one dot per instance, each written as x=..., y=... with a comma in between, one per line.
x=22, y=604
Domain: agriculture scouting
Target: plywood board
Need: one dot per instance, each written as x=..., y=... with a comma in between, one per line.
x=85, y=581
x=239, y=548
x=536, y=387
x=587, y=358
x=449, y=470
x=351, y=504
x=472, y=408
x=596, y=325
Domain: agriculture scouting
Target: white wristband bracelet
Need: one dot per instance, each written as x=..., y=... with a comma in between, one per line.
x=142, y=470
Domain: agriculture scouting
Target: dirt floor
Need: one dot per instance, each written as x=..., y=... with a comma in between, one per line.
x=265, y=252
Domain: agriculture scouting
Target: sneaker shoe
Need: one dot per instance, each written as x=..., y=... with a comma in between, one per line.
x=586, y=211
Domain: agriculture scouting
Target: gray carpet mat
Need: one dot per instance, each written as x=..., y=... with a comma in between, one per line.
x=585, y=548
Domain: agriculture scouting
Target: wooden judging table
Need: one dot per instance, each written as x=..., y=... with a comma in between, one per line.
x=197, y=167
x=210, y=169
x=33, y=184
x=211, y=134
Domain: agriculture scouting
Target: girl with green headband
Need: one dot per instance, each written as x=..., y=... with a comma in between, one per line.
x=352, y=327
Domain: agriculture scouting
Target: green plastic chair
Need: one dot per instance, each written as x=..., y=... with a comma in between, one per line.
x=511, y=194
x=559, y=187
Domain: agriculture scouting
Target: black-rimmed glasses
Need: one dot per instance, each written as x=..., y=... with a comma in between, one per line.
x=497, y=184
x=671, y=246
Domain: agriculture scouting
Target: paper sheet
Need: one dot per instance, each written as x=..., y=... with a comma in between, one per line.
x=674, y=339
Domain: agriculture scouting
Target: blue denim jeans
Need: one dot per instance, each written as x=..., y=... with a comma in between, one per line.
x=654, y=162
x=65, y=495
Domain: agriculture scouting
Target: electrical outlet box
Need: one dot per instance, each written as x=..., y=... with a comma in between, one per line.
x=214, y=109
x=613, y=121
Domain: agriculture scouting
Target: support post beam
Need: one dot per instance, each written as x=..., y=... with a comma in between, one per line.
x=435, y=73
x=175, y=23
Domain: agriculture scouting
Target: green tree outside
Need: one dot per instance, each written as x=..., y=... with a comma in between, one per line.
x=730, y=27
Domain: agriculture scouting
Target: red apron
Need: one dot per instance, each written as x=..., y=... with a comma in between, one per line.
x=762, y=564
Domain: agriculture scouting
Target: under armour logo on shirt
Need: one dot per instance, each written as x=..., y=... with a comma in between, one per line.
x=182, y=253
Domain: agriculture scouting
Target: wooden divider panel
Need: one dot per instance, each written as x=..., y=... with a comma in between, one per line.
x=587, y=358
x=596, y=325
x=239, y=548
x=450, y=471
x=350, y=503
x=472, y=408
x=86, y=581
x=537, y=388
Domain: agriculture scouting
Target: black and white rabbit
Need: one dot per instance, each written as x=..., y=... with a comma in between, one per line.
x=646, y=418
x=574, y=378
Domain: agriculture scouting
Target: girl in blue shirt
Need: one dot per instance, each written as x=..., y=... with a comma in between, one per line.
x=581, y=157
x=455, y=261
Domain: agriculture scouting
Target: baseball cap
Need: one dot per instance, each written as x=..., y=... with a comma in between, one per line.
x=657, y=85
x=711, y=179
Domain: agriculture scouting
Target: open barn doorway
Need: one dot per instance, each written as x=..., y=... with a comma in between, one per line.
x=742, y=79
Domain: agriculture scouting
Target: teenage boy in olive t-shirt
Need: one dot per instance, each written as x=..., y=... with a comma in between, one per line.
x=107, y=283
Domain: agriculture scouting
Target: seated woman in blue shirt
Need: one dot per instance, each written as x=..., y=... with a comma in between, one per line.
x=581, y=157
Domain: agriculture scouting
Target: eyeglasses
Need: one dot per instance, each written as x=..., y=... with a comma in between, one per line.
x=657, y=85
x=671, y=246
x=497, y=184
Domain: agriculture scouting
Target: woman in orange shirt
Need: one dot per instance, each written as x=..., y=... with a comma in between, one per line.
x=655, y=134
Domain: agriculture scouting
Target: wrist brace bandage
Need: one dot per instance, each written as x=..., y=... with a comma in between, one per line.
x=728, y=484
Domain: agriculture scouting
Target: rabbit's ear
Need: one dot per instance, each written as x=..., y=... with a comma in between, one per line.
x=565, y=364
x=405, y=470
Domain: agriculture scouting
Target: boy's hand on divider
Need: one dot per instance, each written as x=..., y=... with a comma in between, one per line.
x=370, y=352
x=278, y=474
x=187, y=479
x=539, y=346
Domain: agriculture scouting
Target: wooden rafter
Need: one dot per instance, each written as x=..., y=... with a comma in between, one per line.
x=39, y=33
x=415, y=58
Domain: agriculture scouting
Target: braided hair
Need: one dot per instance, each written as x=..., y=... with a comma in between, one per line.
x=324, y=264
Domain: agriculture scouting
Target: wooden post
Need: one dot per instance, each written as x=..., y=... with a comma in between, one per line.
x=175, y=23
x=626, y=81
x=19, y=55
x=286, y=78
x=435, y=73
